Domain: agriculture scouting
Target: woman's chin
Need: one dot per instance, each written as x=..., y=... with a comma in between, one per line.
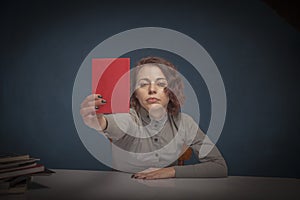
x=156, y=111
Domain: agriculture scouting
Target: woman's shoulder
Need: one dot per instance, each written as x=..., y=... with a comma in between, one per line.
x=181, y=116
x=184, y=120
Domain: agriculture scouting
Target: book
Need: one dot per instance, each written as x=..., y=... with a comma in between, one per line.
x=13, y=181
x=17, y=189
x=26, y=171
x=12, y=158
x=46, y=172
x=111, y=79
x=18, y=167
x=16, y=172
x=15, y=185
x=18, y=163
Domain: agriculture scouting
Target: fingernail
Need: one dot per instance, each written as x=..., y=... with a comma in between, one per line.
x=96, y=107
x=99, y=96
x=103, y=101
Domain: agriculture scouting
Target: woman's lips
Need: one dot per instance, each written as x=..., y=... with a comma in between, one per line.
x=152, y=100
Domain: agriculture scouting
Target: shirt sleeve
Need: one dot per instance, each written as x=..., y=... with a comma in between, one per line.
x=212, y=163
x=119, y=125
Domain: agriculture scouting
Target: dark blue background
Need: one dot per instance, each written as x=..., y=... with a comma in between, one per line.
x=44, y=43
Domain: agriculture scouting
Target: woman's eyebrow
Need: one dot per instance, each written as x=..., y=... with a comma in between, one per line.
x=161, y=79
x=147, y=79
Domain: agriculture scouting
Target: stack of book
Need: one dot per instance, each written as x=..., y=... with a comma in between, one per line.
x=16, y=172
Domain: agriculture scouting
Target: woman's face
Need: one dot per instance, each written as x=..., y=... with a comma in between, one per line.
x=150, y=86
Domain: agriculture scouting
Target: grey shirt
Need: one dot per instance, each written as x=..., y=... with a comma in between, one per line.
x=140, y=142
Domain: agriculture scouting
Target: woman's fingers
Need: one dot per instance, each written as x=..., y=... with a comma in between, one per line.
x=98, y=102
x=88, y=111
x=149, y=175
x=89, y=98
x=168, y=172
x=92, y=99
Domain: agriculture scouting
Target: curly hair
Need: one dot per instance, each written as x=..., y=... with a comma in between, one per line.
x=174, y=90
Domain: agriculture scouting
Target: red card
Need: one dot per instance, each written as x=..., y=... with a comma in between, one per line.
x=111, y=79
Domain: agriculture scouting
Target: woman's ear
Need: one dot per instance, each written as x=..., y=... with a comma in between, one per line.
x=135, y=95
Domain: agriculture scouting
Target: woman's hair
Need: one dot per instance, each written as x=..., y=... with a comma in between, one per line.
x=174, y=90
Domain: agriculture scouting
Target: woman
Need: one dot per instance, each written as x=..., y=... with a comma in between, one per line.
x=155, y=132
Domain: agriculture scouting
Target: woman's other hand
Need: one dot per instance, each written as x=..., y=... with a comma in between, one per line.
x=153, y=173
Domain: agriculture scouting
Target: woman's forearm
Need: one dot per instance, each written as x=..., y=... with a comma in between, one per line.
x=213, y=169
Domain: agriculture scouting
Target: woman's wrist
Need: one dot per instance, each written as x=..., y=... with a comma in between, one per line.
x=102, y=122
x=172, y=172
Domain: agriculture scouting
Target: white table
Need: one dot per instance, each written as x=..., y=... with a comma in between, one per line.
x=82, y=184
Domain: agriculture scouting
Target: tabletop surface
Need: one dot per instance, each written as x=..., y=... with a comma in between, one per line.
x=84, y=184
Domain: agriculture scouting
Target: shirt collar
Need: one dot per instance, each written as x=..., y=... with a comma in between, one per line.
x=146, y=120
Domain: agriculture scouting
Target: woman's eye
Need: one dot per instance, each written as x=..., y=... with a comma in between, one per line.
x=162, y=84
x=143, y=84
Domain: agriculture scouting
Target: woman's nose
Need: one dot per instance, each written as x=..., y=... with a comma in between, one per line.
x=152, y=88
